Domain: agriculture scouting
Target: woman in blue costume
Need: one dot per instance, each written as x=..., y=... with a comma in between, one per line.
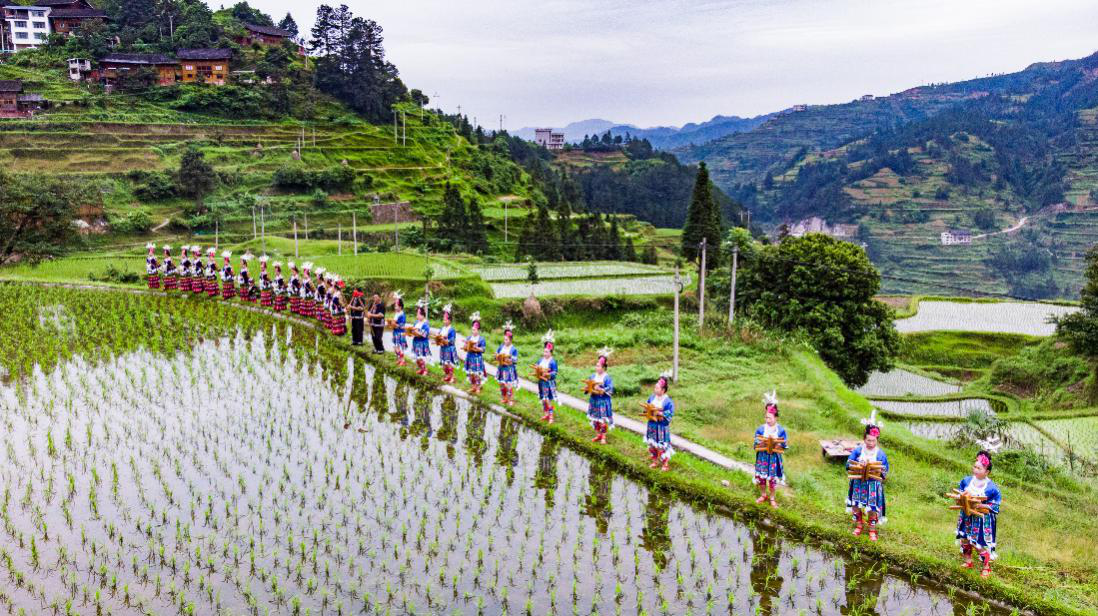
x=658, y=434
x=977, y=533
x=421, y=340
x=447, y=353
x=600, y=407
x=474, y=360
x=400, y=344
x=507, y=371
x=865, y=498
x=770, y=467
x=547, y=386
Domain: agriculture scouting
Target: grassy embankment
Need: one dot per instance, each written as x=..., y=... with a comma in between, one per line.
x=1042, y=563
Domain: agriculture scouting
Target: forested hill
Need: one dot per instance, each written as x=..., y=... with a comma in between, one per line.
x=629, y=176
x=1014, y=163
x=781, y=141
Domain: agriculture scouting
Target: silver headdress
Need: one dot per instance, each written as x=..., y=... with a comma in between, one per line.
x=473, y=318
x=548, y=337
x=509, y=326
x=770, y=398
x=448, y=309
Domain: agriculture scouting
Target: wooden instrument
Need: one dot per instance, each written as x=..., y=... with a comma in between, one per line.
x=471, y=347
x=770, y=444
x=652, y=412
x=969, y=504
x=541, y=374
x=411, y=330
x=441, y=340
x=504, y=359
x=866, y=471
x=391, y=324
x=591, y=387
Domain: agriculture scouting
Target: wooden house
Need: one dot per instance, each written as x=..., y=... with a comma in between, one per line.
x=67, y=20
x=9, y=96
x=204, y=65
x=114, y=65
x=255, y=34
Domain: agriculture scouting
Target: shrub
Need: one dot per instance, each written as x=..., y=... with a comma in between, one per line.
x=301, y=179
x=154, y=186
x=137, y=221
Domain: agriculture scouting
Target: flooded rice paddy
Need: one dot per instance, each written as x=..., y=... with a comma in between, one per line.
x=1027, y=318
x=237, y=477
x=947, y=408
x=899, y=382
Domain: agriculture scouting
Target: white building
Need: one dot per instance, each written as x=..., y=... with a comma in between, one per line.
x=547, y=138
x=956, y=236
x=25, y=27
x=79, y=68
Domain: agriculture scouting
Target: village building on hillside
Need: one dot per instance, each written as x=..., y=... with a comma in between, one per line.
x=548, y=138
x=66, y=21
x=816, y=224
x=866, y=97
x=204, y=65
x=14, y=103
x=115, y=65
x=25, y=27
x=255, y=34
x=79, y=68
x=956, y=236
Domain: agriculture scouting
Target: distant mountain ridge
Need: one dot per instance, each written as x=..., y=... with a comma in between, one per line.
x=661, y=137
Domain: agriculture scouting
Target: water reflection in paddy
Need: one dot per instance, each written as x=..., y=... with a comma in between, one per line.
x=223, y=479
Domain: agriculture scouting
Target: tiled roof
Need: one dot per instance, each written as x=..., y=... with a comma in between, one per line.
x=268, y=30
x=204, y=54
x=11, y=85
x=82, y=13
x=137, y=58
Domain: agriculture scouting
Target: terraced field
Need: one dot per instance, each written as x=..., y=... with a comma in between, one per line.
x=953, y=408
x=1027, y=318
x=900, y=382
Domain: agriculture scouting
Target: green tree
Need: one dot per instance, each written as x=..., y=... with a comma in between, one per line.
x=289, y=24
x=1080, y=329
x=703, y=221
x=476, y=239
x=37, y=215
x=823, y=289
x=196, y=177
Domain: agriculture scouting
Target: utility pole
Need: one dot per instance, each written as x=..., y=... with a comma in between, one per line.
x=354, y=232
x=339, y=238
x=263, y=228
x=215, y=233
x=732, y=292
x=404, y=120
x=701, y=285
x=675, y=356
x=296, y=255
x=255, y=232
x=306, y=226
x=394, y=126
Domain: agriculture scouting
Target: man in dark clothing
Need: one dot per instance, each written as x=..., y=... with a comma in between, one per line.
x=357, y=308
x=377, y=323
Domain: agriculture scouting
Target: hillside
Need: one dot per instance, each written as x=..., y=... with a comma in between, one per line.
x=1009, y=159
x=635, y=179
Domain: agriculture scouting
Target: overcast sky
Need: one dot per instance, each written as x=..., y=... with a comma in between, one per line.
x=668, y=62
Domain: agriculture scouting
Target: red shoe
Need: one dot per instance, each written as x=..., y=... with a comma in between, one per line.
x=858, y=528
x=760, y=500
x=872, y=533
x=665, y=466
x=986, y=572
x=967, y=564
